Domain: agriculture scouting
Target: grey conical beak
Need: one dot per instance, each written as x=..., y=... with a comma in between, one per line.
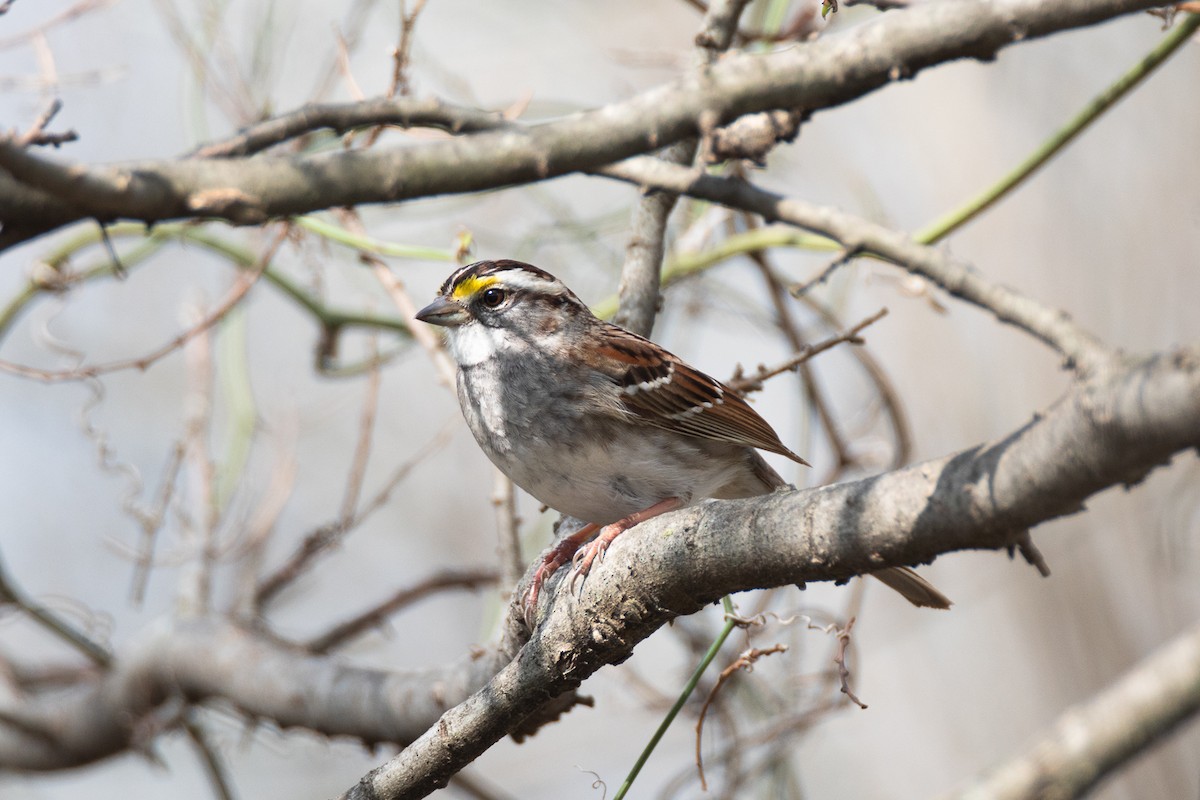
x=443, y=312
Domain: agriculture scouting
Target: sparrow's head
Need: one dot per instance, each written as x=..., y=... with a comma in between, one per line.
x=502, y=303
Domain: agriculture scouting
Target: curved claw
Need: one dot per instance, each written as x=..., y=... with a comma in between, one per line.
x=581, y=563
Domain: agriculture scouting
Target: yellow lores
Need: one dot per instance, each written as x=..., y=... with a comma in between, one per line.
x=468, y=287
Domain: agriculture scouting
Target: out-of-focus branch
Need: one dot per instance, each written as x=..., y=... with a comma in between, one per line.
x=38, y=194
x=242, y=285
x=640, y=274
x=374, y=617
x=1096, y=737
x=204, y=657
x=857, y=235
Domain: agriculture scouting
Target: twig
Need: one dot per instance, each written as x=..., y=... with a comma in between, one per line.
x=214, y=766
x=508, y=535
x=241, y=288
x=194, y=594
x=745, y=662
x=436, y=442
x=36, y=135
x=408, y=23
x=1079, y=348
x=262, y=523
x=843, y=639
x=10, y=592
x=1031, y=554
x=812, y=389
x=322, y=538
x=752, y=383
x=884, y=389
x=446, y=371
x=374, y=617
x=404, y=112
x=151, y=522
x=362, y=447
x=314, y=543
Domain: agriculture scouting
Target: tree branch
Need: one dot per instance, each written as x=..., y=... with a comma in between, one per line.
x=38, y=194
x=1112, y=429
x=639, y=290
x=1052, y=326
x=1104, y=432
x=1094, y=738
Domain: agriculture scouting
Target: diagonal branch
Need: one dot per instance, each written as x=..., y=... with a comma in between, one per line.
x=1111, y=430
x=1079, y=348
x=38, y=194
x=1091, y=740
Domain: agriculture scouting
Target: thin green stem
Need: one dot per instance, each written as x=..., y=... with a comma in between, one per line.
x=947, y=224
x=187, y=232
x=687, y=264
x=342, y=236
x=683, y=265
x=714, y=648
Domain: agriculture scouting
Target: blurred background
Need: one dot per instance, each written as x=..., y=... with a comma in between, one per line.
x=1109, y=231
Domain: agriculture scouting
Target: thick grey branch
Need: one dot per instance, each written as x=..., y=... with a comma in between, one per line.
x=1094, y=738
x=38, y=194
x=1111, y=430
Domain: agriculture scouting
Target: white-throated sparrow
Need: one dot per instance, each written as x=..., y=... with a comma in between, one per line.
x=597, y=422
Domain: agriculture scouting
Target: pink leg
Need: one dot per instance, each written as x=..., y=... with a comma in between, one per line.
x=554, y=559
x=582, y=561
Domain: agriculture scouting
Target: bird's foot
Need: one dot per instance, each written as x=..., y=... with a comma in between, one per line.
x=554, y=558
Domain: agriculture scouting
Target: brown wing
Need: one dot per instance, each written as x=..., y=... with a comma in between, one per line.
x=661, y=390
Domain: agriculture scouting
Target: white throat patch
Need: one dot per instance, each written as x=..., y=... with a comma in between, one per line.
x=475, y=343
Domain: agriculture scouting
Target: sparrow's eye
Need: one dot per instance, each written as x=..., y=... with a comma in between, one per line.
x=492, y=297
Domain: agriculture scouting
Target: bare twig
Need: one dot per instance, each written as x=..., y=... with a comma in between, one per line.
x=404, y=112
x=508, y=534
x=753, y=383
x=194, y=592
x=362, y=447
x=374, y=617
x=1031, y=554
x=68, y=14
x=10, y=592
x=214, y=765
x=745, y=661
x=843, y=639
x=812, y=388
x=884, y=390
x=37, y=135
x=403, y=53
x=151, y=522
x=241, y=287
x=421, y=331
